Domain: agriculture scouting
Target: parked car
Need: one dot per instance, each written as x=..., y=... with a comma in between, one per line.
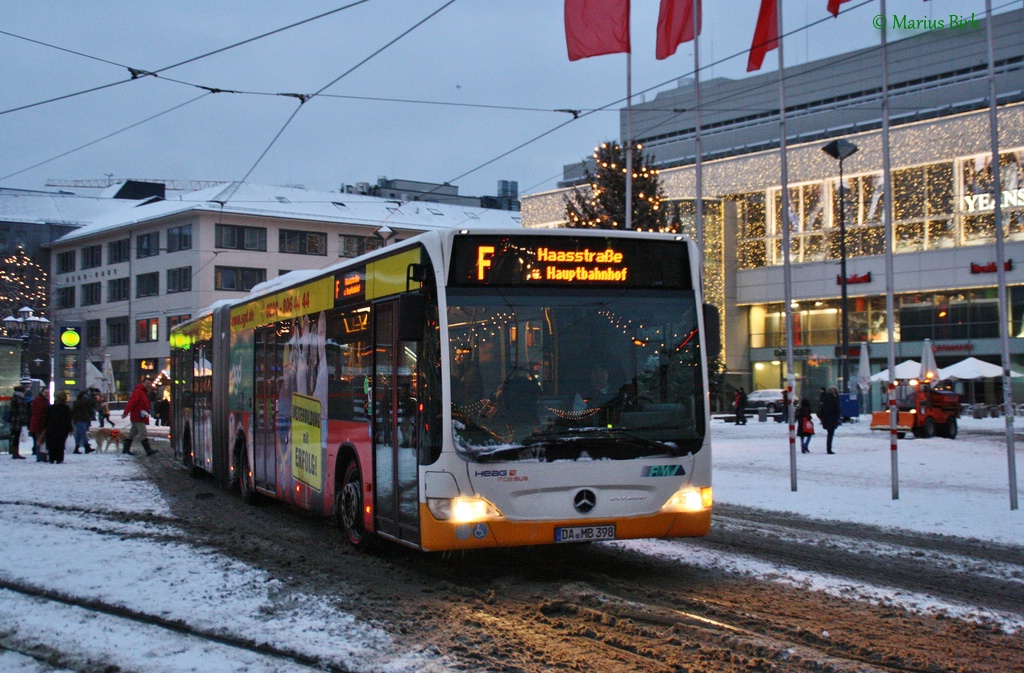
x=770, y=398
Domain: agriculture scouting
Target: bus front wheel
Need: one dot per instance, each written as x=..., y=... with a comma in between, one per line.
x=348, y=507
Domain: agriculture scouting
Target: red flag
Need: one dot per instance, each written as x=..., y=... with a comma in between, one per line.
x=675, y=25
x=833, y=6
x=596, y=27
x=766, y=35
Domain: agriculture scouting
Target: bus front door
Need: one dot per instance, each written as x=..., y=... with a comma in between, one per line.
x=394, y=421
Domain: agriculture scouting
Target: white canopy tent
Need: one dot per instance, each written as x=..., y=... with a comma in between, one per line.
x=909, y=369
x=973, y=368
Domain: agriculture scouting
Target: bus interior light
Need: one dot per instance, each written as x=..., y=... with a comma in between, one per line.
x=690, y=499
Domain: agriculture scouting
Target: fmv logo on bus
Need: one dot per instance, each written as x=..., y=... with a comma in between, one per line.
x=663, y=471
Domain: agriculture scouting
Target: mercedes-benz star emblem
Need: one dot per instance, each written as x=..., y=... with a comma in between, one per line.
x=584, y=501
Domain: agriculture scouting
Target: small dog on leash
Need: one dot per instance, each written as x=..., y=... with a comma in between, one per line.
x=105, y=438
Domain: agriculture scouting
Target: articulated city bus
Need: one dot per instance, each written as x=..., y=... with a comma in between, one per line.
x=464, y=389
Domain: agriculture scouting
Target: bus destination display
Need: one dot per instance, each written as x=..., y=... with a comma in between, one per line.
x=562, y=262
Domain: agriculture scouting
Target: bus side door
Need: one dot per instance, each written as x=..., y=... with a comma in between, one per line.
x=395, y=405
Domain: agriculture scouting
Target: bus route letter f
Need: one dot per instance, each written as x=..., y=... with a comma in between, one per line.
x=483, y=260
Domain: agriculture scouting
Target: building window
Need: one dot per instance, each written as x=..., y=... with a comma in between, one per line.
x=237, y=278
x=923, y=207
x=92, y=256
x=117, y=331
x=752, y=230
x=66, y=262
x=66, y=297
x=179, y=238
x=147, y=284
x=303, y=242
x=117, y=289
x=147, y=245
x=241, y=238
x=977, y=207
x=92, y=294
x=92, y=334
x=118, y=251
x=174, y=320
x=179, y=280
x=353, y=246
x=147, y=330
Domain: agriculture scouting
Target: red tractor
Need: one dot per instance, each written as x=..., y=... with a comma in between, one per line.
x=923, y=411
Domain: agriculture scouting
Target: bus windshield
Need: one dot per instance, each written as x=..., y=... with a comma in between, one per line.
x=599, y=374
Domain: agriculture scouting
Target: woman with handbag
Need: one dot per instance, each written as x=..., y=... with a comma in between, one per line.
x=804, y=425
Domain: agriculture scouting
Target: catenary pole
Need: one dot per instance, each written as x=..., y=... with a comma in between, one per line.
x=629, y=140
x=698, y=151
x=997, y=197
x=787, y=279
x=890, y=311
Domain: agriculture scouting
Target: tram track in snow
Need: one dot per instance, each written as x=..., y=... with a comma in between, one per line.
x=173, y=626
x=987, y=575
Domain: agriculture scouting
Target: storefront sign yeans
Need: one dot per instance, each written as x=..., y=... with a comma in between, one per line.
x=984, y=202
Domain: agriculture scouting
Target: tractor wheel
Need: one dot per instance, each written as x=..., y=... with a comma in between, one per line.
x=928, y=430
x=951, y=428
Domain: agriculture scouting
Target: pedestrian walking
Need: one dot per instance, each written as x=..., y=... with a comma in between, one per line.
x=103, y=410
x=37, y=422
x=19, y=419
x=804, y=425
x=740, y=405
x=137, y=411
x=829, y=415
x=58, y=427
x=81, y=417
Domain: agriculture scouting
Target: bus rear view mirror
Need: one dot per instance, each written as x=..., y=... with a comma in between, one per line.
x=712, y=332
x=412, y=313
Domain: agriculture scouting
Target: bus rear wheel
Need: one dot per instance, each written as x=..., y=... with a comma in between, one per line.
x=188, y=458
x=245, y=489
x=348, y=507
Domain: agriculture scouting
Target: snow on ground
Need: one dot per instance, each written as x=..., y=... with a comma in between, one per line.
x=61, y=531
x=957, y=487
x=952, y=487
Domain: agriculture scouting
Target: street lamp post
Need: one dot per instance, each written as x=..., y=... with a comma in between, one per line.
x=25, y=326
x=841, y=149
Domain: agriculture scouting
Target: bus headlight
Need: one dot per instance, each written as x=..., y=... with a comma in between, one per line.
x=462, y=509
x=689, y=499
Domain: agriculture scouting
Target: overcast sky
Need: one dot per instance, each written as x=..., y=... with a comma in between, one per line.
x=487, y=75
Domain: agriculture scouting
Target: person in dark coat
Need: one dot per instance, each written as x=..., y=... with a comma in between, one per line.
x=739, y=403
x=829, y=415
x=58, y=427
x=804, y=425
x=19, y=419
x=81, y=417
x=37, y=420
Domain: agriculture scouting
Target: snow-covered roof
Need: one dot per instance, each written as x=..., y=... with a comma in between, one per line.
x=302, y=204
x=65, y=208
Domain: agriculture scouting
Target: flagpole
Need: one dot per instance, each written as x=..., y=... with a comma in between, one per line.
x=629, y=140
x=787, y=280
x=997, y=197
x=890, y=273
